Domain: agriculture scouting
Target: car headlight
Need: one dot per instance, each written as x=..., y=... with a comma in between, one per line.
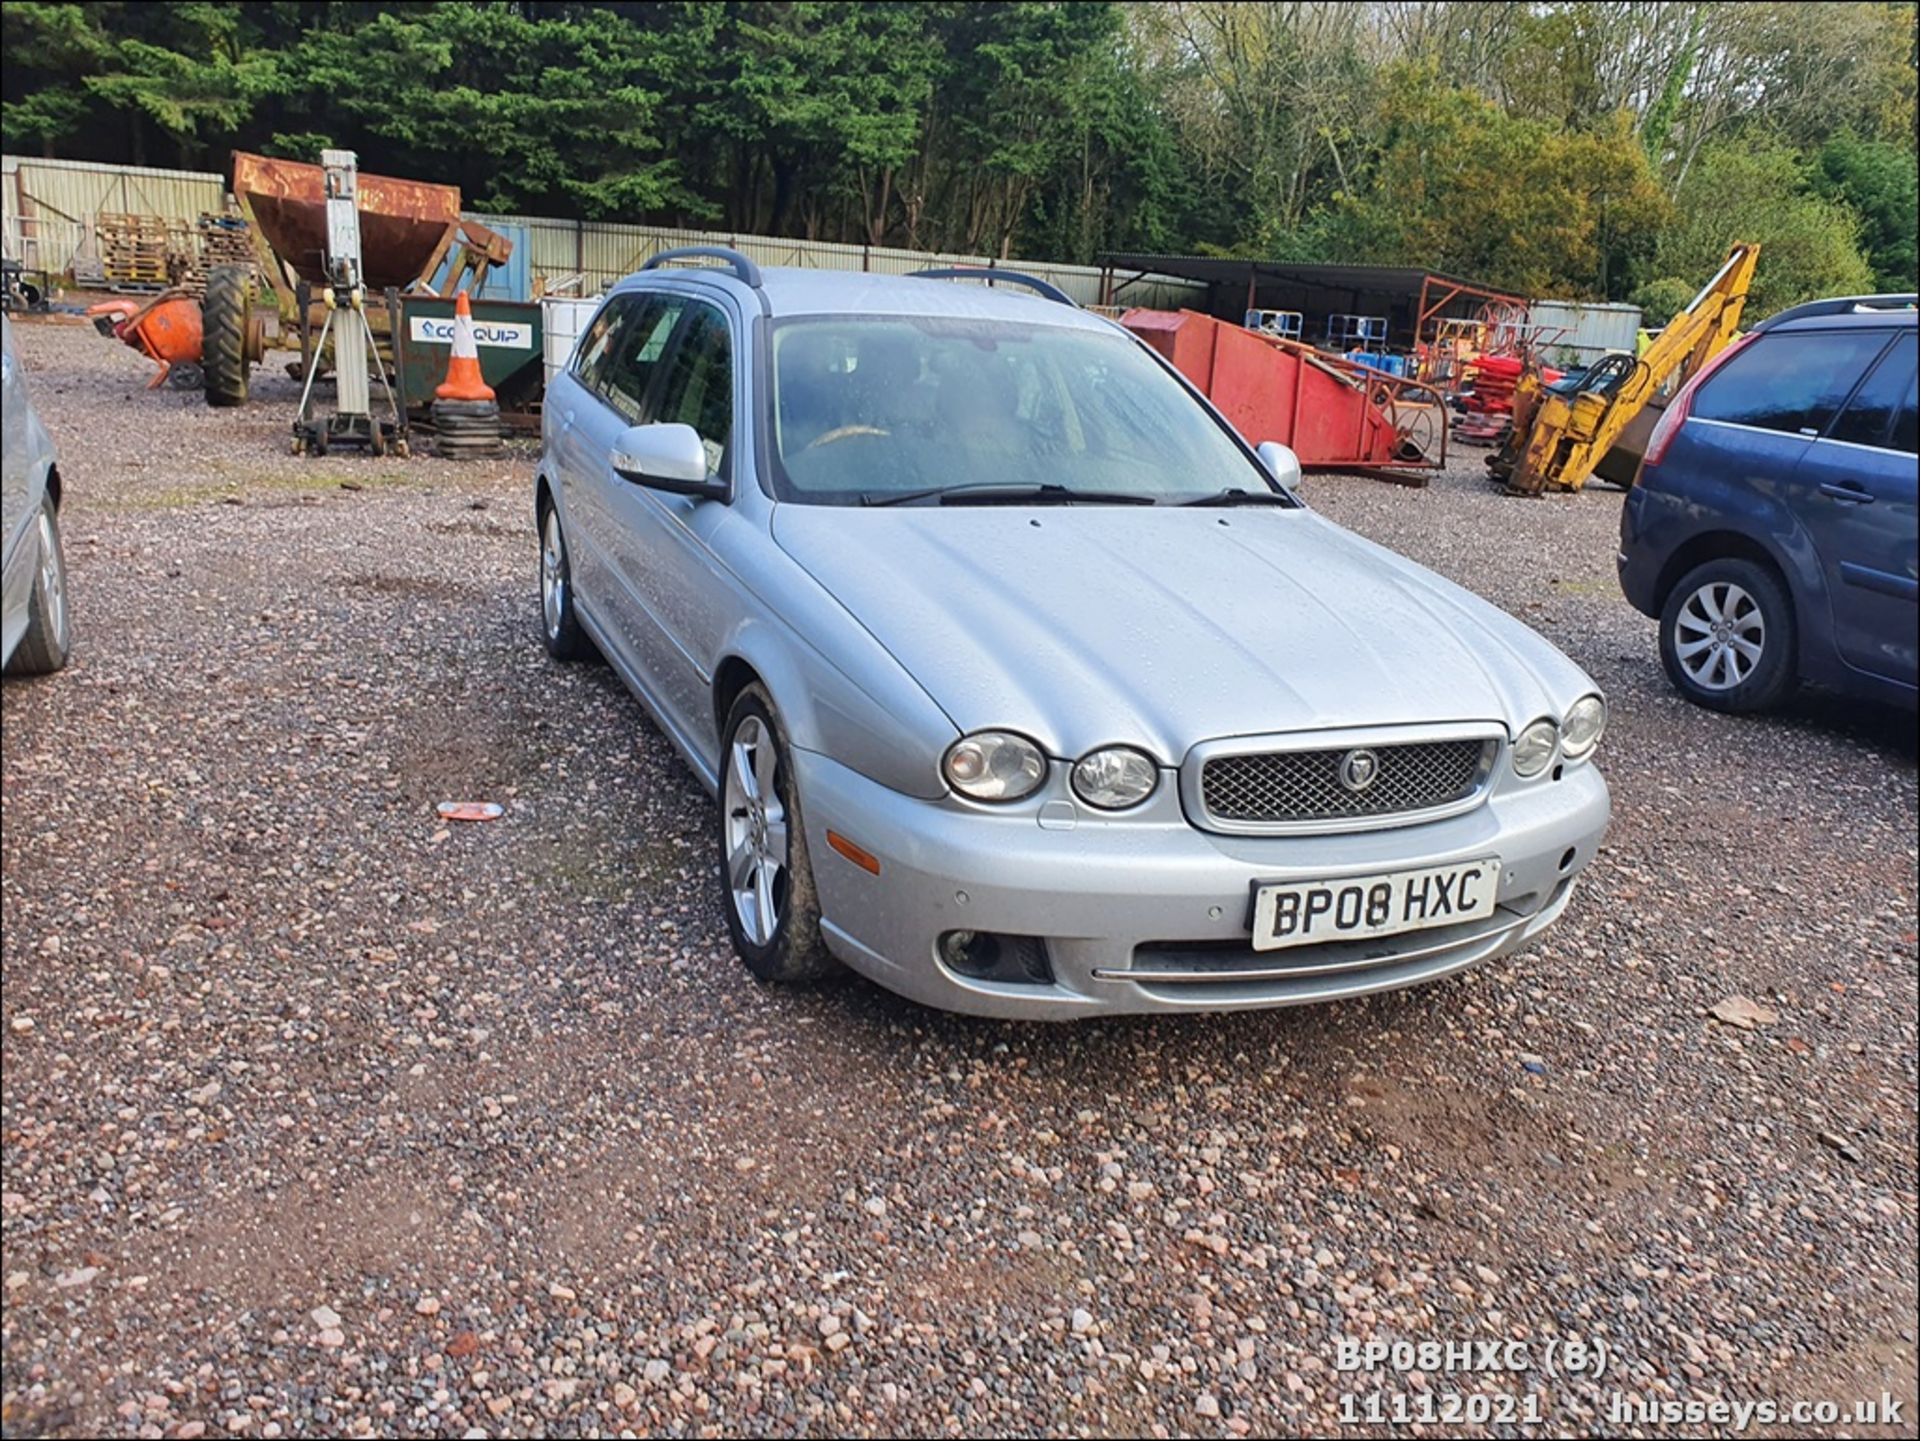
x=994, y=766
x=1533, y=748
x=1115, y=777
x=1585, y=723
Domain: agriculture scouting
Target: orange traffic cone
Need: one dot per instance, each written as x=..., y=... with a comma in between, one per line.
x=463, y=380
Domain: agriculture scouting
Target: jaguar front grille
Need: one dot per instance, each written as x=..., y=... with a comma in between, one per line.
x=1370, y=782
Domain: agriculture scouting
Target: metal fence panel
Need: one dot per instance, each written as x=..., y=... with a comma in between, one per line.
x=50, y=207
x=76, y=191
x=603, y=252
x=48, y=247
x=1591, y=330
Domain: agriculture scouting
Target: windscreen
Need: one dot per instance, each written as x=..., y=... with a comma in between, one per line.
x=872, y=406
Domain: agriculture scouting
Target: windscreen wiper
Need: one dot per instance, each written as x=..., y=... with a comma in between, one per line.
x=1234, y=495
x=998, y=493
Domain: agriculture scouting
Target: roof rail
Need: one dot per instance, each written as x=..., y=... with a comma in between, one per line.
x=736, y=262
x=991, y=274
x=1841, y=305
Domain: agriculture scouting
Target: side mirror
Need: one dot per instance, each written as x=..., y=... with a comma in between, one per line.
x=1281, y=463
x=666, y=456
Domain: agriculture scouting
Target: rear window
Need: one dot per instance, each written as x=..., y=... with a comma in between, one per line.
x=1789, y=381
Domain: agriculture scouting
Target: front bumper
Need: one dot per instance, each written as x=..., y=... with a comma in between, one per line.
x=1129, y=910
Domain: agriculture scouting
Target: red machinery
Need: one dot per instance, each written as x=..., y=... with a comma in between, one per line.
x=1490, y=405
x=1334, y=414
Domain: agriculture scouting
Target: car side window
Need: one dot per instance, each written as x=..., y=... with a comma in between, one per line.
x=634, y=358
x=590, y=355
x=1906, y=423
x=1791, y=381
x=698, y=390
x=1869, y=416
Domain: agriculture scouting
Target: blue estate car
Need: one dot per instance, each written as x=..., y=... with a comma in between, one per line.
x=1771, y=528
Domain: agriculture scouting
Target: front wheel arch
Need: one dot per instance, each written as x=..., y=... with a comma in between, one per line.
x=1713, y=545
x=1735, y=545
x=732, y=676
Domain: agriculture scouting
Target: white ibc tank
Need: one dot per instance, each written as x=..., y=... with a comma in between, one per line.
x=562, y=320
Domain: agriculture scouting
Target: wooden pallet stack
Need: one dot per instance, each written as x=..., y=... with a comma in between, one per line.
x=217, y=240
x=133, y=250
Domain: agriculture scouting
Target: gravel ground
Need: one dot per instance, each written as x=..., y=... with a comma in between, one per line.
x=320, y=1117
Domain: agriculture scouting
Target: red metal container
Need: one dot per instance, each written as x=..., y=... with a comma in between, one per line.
x=1333, y=413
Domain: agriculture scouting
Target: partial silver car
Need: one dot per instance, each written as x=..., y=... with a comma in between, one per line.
x=35, y=630
x=1027, y=688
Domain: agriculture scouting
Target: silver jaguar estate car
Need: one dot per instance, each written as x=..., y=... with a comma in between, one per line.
x=35, y=633
x=1026, y=688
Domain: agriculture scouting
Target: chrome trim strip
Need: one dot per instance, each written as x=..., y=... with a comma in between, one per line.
x=1193, y=797
x=1291, y=973
x=1814, y=438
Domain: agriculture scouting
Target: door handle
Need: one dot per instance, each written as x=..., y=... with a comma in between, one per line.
x=1847, y=491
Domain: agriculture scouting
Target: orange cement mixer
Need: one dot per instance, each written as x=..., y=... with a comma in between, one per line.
x=166, y=330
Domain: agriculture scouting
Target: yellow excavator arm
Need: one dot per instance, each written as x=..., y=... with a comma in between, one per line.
x=1558, y=439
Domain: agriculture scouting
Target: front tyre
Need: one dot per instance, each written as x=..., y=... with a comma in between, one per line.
x=1727, y=637
x=48, y=639
x=559, y=625
x=766, y=877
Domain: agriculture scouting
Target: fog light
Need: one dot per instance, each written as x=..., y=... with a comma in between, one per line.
x=990, y=956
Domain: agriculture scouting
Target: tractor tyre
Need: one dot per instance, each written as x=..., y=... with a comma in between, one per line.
x=225, y=315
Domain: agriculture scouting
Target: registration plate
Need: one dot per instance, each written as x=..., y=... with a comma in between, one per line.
x=1305, y=913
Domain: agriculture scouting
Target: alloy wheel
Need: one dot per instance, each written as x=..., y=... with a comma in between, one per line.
x=756, y=822
x=553, y=575
x=1719, y=635
x=53, y=581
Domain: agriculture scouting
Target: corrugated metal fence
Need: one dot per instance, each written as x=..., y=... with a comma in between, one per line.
x=50, y=207
x=1585, y=331
x=601, y=253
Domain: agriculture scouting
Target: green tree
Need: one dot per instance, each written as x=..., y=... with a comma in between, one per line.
x=1809, y=244
x=189, y=70
x=521, y=109
x=1271, y=100
x=50, y=49
x=1457, y=184
x=1877, y=180
x=1274, y=127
